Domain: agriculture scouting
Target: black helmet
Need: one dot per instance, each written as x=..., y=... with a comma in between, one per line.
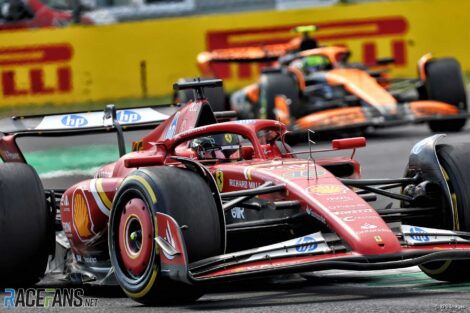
x=207, y=147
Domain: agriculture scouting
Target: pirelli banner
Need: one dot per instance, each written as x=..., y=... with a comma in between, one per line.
x=140, y=59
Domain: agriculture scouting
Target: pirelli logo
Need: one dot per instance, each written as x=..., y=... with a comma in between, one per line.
x=23, y=70
x=366, y=31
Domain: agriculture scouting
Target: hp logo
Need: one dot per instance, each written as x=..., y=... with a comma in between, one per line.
x=74, y=120
x=419, y=234
x=127, y=116
x=308, y=244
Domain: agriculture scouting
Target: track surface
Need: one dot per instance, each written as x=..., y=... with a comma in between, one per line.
x=405, y=290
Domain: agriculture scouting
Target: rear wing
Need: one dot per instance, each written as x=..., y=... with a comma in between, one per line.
x=79, y=122
x=260, y=54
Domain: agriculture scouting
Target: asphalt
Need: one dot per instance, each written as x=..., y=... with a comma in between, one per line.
x=405, y=290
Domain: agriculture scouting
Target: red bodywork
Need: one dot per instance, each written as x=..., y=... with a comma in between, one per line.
x=43, y=16
x=85, y=206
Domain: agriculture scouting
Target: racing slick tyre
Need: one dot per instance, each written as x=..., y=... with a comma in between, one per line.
x=456, y=166
x=444, y=83
x=215, y=96
x=277, y=84
x=25, y=230
x=187, y=198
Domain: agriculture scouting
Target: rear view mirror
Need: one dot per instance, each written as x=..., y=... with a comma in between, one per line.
x=348, y=143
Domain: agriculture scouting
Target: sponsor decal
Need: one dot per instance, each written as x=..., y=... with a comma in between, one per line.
x=378, y=239
x=246, y=122
x=128, y=116
x=228, y=138
x=329, y=189
x=307, y=244
x=238, y=213
x=46, y=298
x=419, y=234
x=172, y=129
x=339, y=198
x=359, y=217
x=81, y=215
x=74, y=121
x=374, y=230
x=243, y=184
x=353, y=212
x=219, y=178
x=96, y=119
x=34, y=60
x=368, y=226
x=170, y=240
x=11, y=155
x=348, y=206
x=304, y=173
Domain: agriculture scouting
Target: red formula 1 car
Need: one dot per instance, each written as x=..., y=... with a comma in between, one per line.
x=200, y=201
x=307, y=86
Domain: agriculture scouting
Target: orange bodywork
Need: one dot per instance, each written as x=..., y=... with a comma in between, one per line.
x=300, y=76
x=422, y=64
x=281, y=109
x=361, y=84
x=333, y=118
x=266, y=53
x=427, y=108
x=252, y=92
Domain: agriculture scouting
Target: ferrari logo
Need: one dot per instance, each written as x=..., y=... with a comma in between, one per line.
x=219, y=178
x=378, y=239
x=228, y=138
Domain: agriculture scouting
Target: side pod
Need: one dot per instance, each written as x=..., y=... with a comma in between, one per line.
x=424, y=161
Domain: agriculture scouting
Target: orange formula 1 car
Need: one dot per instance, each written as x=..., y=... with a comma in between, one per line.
x=311, y=87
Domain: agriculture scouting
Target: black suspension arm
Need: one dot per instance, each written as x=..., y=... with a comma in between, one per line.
x=379, y=181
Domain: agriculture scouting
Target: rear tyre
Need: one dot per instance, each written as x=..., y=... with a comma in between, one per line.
x=24, y=226
x=181, y=194
x=277, y=84
x=215, y=96
x=445, y=83
x=456, y=166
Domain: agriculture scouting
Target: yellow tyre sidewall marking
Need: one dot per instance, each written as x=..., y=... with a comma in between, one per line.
x=447, y=263
x=151, y=282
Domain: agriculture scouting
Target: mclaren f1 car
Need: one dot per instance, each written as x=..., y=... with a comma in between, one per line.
x=308, y=86
x=200, y=201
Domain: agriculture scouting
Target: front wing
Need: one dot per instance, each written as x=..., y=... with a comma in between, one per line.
x=313, y=252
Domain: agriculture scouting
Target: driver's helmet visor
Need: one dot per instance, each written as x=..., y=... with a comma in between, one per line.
x=312, y=63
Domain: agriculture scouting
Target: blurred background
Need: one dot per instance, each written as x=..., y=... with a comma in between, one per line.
x=68, y=55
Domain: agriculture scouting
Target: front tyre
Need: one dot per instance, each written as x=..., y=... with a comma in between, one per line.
x=456, y=166
x=134, y=254
x=445, y=83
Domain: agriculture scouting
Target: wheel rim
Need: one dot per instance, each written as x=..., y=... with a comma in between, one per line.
x=135, y=238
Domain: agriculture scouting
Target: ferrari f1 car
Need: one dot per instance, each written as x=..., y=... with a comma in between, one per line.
x=307, y=86
x=199, y=201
